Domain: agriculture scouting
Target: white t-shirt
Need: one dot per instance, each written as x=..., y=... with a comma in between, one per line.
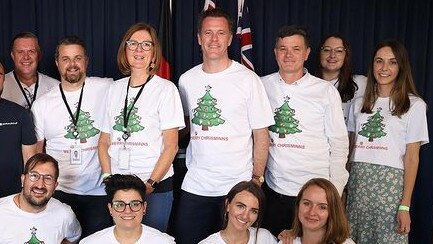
x=224, y=108
x=263, y=237
x=158, y=108
x=53, y=123
x=309, y=139
x=381, y=138
x=148, y=236
x=361, y=81
x=52, y=225
x=297, y=240
x=12, y=92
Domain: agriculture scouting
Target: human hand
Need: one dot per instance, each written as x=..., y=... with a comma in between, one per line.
x=286, y=236
x=403, y=220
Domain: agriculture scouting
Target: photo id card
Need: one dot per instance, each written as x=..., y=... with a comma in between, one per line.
x=75, y=154
x=124, y=154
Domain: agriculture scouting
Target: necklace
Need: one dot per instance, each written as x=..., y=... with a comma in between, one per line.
x=227, y=240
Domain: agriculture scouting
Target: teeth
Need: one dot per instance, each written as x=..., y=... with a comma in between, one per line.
x=139, y=57
x=39, y=191
x=127, y=217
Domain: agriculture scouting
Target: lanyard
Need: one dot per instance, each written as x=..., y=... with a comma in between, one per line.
x=29, y=102
x=126, y=112
x=74, y=120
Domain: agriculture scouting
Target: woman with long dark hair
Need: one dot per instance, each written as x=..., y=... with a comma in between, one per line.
x=387, y=128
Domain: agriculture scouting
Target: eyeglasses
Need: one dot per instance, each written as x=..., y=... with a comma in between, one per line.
x=133, y=45
x=47, y=179
x=337, y=51
x=120, y=206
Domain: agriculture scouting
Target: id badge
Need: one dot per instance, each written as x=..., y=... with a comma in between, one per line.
x=75, y=154
x=124, y=154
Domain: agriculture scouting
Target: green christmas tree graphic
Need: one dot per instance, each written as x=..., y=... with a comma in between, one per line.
x=33, y=238
x=133, y=121
x=285, y=123
x=206, y=114
x=373, y=128
x=84, y=127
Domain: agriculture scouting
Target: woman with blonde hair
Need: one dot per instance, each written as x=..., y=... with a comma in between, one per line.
x=319, y=216
x=140, y=131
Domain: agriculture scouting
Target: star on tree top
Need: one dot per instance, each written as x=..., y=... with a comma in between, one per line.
x=286, y=99
x=208, y=87
x=33, y=230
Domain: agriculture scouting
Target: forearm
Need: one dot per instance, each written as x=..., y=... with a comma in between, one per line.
x=104, y=157
x=411, y=162
x=28, y=151
x=260, y=150
x=40, y=146
x=167, y=156
x=338, y=159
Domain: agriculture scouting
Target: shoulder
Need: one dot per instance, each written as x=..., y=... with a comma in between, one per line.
x=263, y=235
x=215, y=238
x=99, y=236
x=98, y=81
x=13, y=107
x=155, y=234
x=417, y=103
x=192, y=72
x=270, y=77
x=58, y=207
x=349, y=241
x=159, y=81
x=48, y=79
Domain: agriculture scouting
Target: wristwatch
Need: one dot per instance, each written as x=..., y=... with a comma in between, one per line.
x=152, y=183
x=261, y=179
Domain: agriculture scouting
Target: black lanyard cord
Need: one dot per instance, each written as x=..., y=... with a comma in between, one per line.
x=29, y=103
x=126, y=112
x=74, y=120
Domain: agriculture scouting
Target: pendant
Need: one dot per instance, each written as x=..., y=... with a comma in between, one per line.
x=126, y=135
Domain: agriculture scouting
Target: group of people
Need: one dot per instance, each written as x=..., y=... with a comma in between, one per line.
x=268, y=157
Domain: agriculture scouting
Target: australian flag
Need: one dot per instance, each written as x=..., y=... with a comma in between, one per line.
x=243, y=34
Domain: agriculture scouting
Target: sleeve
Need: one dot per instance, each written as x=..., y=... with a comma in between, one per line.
x=73, y=228
x=28, y=136
x=259, y=109
x=38, y=120
x=336, y=132
x=183, y=96
x=106, y=126
x=170, y=109
x=351, y=125
x=417, y=129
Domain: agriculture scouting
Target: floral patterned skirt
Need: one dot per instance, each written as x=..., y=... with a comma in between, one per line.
x=374, y=194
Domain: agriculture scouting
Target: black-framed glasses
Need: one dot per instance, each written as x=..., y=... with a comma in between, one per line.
x=133, y=45
x=120, y=206
x=328, y=50
x=47, y=179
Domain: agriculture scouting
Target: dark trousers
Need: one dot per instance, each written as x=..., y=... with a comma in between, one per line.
x=279, y=211
x=197, y=217
x=91, y=211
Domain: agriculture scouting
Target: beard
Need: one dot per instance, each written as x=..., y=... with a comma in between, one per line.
x=35, y=202
x=73, y=78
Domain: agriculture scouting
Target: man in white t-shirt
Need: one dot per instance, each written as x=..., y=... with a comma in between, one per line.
x=24, y=84
x=309, y=138
x=68, y=118
x=228, y=113
x=33, y=215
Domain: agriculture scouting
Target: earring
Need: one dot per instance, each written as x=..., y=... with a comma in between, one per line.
x=152, y=65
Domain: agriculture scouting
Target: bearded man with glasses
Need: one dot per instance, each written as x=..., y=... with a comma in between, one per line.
x=33, y=214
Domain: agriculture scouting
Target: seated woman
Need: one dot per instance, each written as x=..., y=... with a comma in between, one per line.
x=319, y=216
x=242, y=217
x=127, y=205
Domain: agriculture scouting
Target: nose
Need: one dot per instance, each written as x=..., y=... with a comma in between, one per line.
x=332, y=53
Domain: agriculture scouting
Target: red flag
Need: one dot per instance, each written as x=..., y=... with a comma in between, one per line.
x=243, y=32
x=165, y=38
x=208, y=5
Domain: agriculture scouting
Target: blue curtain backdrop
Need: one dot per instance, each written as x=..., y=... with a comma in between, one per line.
x=101, y=23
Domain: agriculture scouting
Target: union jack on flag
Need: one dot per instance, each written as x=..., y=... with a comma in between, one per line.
x=243, y=32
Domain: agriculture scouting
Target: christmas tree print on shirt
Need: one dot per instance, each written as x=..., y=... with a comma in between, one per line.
x=133, y=121
x=374, y=127
x=84, y=128
x=33, y=238
x=206, y=114
x=285, y=122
